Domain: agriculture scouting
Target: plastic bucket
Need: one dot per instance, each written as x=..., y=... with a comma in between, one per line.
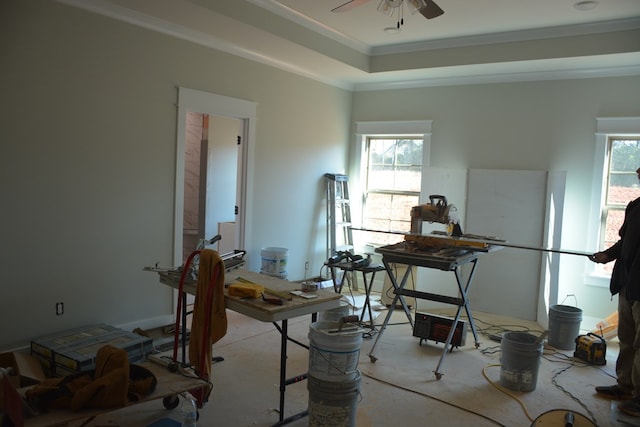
x=519, y=361
x=333, y=404
x=335, y=314
x=334, y=356
x=274, y=261
x=564, y=326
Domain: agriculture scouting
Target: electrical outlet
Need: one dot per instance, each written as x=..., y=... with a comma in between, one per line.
x=306, y=265
x=59, y=308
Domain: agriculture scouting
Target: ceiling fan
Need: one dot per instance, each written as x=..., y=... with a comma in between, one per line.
x=427, y=8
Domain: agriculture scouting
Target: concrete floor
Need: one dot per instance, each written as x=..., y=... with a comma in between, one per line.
x=400, y=388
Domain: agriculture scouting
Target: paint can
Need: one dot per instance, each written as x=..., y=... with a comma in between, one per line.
x=519, y=361
x=274, y=261
x=335, y=314
x=564, y=326
x=333, y=354
x=333, y=404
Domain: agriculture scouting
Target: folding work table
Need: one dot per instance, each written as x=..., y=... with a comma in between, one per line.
x=350, y=267
x=258, y=309
x=446, y=259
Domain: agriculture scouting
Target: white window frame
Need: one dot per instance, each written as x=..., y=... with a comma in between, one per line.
x=358, y=165
x=605, y=127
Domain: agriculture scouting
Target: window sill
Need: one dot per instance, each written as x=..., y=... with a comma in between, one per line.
x=599, y=280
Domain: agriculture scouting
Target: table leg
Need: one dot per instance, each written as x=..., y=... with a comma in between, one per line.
x=336, y=288
x=284, y=382
x=367, y=301
x=283, y=364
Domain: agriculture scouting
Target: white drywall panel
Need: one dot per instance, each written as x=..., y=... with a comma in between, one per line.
x=508, y=204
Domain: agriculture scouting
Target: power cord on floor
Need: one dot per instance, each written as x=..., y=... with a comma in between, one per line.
x=505, y=391
x=434, y=398
x=574, y=398
x=554, y=381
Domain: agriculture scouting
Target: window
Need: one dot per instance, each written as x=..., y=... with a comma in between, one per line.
x=389, y=159
x=621, y=186
x=392, y=182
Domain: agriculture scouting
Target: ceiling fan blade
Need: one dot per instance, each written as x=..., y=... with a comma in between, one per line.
x=348, y=5
x=431, y=10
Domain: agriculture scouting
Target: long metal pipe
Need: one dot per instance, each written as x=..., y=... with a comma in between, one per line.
x=495, y=242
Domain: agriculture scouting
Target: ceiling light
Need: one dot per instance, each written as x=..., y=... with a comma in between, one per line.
x=389, y=7
x=585, y=5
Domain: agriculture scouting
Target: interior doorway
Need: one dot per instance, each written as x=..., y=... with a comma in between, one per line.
x=211, y=174
x=212, y=153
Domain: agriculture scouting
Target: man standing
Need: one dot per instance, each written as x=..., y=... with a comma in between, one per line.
x=625, y=281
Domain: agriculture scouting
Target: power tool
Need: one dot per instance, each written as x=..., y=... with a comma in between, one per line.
x=591, y=348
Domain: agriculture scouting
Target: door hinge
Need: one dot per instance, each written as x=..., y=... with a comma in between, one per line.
x=239, y=140
x=235, y=210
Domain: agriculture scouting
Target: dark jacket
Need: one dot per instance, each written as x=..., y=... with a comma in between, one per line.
x=626, y=252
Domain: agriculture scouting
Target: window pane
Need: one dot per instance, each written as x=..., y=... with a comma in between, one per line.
x=614, y=222
x=401, y=211
x=625, y=155
x=622, y=187
x=378, y=205
x=393, y=182
x=623, y=181
x=395, y=164
x=614, y=219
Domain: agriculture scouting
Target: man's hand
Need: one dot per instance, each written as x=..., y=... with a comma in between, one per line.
x=600, y=258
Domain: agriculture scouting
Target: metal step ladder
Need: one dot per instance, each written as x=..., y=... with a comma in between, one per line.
x=339, y=235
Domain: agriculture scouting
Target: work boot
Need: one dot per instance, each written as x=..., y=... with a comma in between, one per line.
x=631, y=407
x=613, y=392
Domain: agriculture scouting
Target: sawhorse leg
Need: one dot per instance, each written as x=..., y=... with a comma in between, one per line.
x=397, y=298
x=465, y=303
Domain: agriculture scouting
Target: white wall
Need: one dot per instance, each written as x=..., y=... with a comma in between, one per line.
x=87, y=158
x=544, y=126
x=87, y=164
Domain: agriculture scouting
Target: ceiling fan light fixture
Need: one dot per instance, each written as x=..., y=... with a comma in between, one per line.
x=385, y=8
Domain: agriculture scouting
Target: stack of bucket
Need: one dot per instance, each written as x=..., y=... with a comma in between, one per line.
x=334, y=379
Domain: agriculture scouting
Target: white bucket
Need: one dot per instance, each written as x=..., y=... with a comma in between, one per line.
x=519, y=361
x=564, y=326
x=334, y=356
x=274, y=261
x=333, y=404
x=335, y=314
